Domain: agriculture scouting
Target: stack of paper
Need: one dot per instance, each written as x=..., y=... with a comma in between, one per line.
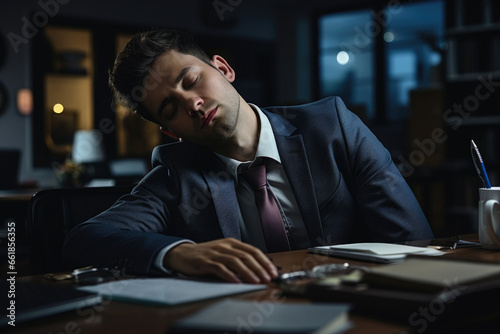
x=374, y=252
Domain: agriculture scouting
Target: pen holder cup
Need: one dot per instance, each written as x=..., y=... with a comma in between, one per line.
x=489, y=217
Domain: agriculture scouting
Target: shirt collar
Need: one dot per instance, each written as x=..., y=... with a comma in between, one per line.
x=265, y=149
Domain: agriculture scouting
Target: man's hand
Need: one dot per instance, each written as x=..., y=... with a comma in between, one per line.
x=229, y=259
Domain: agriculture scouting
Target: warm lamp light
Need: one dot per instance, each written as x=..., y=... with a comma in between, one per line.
x=58, y=108
x=88, y=147
x=24, y=101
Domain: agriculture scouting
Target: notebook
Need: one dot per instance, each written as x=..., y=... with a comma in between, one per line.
x=422, y=274
x=27, y=301
x=241, y=316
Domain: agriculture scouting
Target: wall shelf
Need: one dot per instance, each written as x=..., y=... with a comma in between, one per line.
x=470, y=110
x=474, y=29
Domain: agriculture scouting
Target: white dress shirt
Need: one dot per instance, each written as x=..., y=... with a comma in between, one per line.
x=250, y=226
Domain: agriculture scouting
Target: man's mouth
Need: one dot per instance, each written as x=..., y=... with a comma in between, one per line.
x=208, y=118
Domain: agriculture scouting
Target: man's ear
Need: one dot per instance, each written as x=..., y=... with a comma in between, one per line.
x=223, y=66
x=168, y=133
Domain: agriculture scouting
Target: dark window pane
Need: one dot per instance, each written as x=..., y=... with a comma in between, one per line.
x=346, y=59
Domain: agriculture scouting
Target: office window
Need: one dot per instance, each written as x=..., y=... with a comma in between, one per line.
x=346, y=59
x=411, y=41
x=414, y=44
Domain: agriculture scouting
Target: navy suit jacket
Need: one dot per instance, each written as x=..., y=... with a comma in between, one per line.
x=346, y=185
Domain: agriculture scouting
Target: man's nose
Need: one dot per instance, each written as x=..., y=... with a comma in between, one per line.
x=194, y=104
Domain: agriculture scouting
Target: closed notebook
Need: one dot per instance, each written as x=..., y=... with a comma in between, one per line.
x=266, y=317
x=431, y=274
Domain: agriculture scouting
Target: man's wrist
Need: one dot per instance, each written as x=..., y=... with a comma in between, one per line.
x=160, y=258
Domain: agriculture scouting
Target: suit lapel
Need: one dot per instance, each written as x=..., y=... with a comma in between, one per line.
x=294, y=160
x=223, y=191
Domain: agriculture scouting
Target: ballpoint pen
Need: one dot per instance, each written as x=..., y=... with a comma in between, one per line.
x=479, y=164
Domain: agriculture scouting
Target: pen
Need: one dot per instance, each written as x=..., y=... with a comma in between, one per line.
x=479, y=164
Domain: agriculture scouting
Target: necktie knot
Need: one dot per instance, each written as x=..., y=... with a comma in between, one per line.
x=255, y=176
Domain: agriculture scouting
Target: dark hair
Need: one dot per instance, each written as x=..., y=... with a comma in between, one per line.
x=134, y=63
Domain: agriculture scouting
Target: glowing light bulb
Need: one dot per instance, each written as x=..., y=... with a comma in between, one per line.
x=58, y=108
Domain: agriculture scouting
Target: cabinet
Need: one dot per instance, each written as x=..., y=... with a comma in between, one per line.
x=68, y=94
x=473, y=77
x=447, y=183
x=63, y=89
x=70, y=61
x=448, y=190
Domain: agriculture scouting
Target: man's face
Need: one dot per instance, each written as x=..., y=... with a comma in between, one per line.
x=192, y=99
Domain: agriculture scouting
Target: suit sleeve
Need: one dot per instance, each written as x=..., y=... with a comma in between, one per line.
x=132, y=232
x=388, y=205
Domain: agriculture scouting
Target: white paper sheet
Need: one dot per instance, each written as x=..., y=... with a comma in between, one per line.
x=378, y=248
x=168, y=291
x=374, y=252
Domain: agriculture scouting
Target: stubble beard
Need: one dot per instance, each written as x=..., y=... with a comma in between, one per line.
x=225, y=128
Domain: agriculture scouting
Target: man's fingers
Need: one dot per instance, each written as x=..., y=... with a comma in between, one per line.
x=259, y=261
x=229, y=259
x=251, y=259
x=222, y=272
x=244, y=266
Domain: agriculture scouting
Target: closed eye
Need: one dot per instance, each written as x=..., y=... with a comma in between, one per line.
x=190, y=82
x=170, y=110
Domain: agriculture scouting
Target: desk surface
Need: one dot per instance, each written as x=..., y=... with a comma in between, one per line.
x=17, y=194
x=116, y=317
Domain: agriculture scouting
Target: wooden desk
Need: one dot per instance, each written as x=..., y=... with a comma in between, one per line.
x=123, y=318
x=23, y=195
